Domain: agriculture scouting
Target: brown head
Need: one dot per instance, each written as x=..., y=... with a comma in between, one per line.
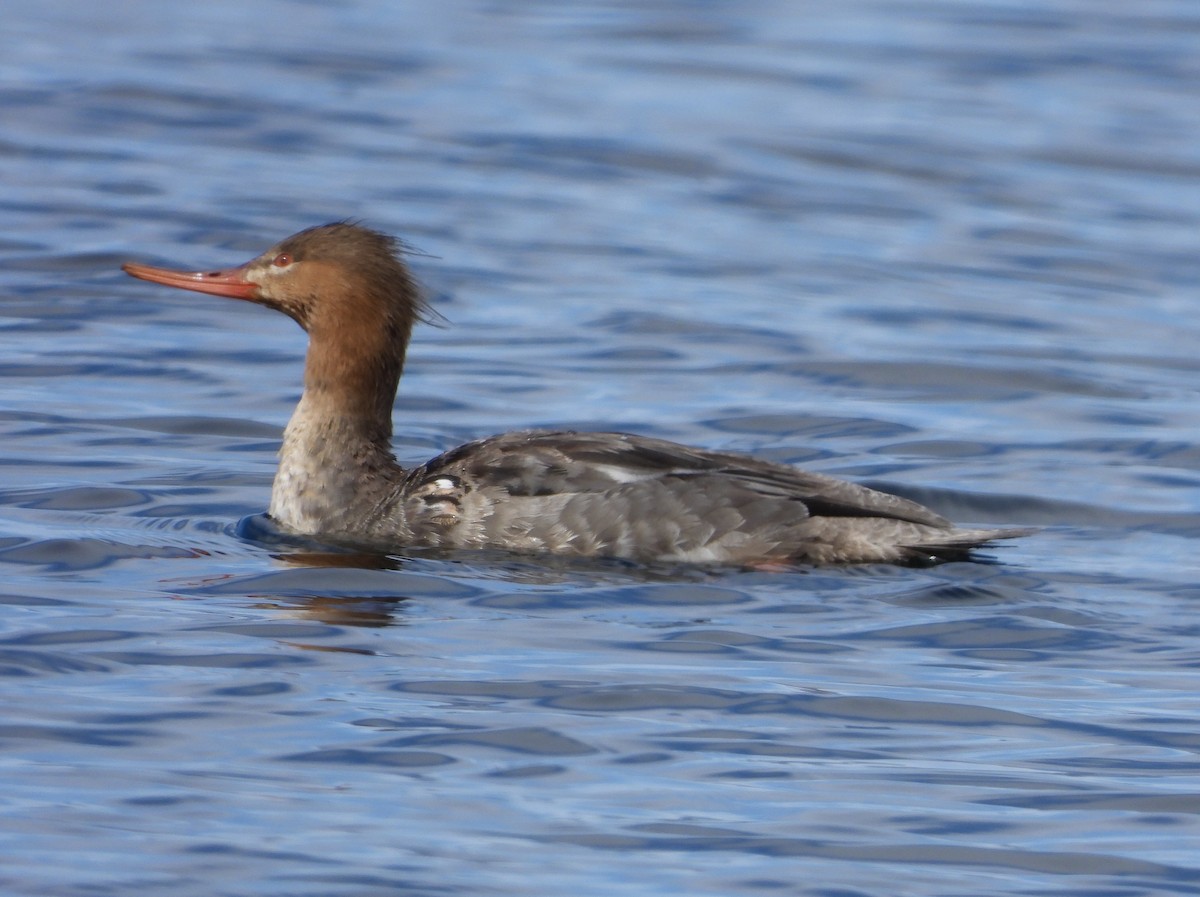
x=343, y=283
x=322, y=274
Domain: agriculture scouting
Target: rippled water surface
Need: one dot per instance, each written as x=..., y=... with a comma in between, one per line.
x=949, y=248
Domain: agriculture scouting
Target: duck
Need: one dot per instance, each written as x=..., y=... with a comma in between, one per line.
x=596, y=495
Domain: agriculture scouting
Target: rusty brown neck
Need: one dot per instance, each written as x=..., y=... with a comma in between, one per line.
x=335, y=464
x=351, y=377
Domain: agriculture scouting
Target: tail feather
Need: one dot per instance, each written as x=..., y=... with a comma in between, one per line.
x=958, y=545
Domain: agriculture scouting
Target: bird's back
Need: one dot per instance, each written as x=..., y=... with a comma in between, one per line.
x=618, y=495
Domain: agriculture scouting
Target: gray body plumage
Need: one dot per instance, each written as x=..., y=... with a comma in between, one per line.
x=624, y=496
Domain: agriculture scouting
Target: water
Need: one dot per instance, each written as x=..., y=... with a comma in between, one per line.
x=948, y=248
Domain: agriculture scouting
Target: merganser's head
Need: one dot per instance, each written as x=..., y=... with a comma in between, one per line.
x=322, y=276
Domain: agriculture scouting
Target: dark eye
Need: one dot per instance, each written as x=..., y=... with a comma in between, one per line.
x=282, y=260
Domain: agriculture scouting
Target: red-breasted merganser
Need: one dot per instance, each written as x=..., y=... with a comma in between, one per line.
x=553, y=491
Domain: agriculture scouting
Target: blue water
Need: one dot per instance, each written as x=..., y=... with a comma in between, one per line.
x=948, y=248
